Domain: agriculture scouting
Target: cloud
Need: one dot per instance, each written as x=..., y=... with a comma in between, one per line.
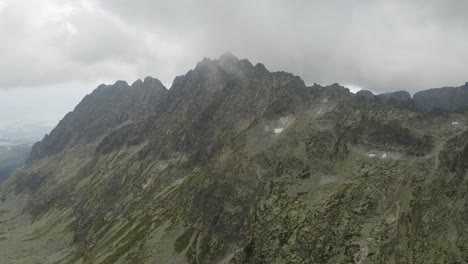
x=382, y=45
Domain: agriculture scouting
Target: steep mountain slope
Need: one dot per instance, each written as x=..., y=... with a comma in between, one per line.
x=104, y=109
x=236, y=164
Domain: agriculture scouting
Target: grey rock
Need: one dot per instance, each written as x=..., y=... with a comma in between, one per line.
x=99, y=112
x=366, y=96
x=398, y=96
x=448, y=98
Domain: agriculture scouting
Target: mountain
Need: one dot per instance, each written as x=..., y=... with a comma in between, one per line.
x=398, y=96
x=237, y=164
x=448, y=98
x=106, y=108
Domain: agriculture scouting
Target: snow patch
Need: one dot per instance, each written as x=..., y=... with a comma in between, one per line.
x=382, y=154
x=278, y=130
x=277, y=126
x=455, y=123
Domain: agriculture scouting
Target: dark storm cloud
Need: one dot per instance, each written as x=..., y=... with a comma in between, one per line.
x=378, y=45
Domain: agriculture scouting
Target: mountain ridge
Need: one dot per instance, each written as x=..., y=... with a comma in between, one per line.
x=236, y=164
x=126, y=102
x=232, y=65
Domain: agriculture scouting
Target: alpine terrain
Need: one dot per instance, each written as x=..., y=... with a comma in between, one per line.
x=236, y=164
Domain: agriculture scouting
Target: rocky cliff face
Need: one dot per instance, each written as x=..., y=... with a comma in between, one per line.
x=236, y=164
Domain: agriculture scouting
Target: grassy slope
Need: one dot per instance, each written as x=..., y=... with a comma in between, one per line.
x=303, y=196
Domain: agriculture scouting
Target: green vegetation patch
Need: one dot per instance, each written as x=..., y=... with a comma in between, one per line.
x=183, y=240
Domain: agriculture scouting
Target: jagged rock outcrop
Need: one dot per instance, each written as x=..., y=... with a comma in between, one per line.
x=398, y=96
x=366, y=96
x=106, y=108
x=448, y=98
x=237, y=164
x=224, y=95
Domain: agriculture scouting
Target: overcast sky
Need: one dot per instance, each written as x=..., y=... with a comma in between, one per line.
x=65, y=48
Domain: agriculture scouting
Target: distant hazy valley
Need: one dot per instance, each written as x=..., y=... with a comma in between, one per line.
x=15, y=146
x=12, y=157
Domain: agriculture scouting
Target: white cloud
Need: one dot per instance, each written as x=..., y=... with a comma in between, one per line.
x=61, y=49
x=380, y=45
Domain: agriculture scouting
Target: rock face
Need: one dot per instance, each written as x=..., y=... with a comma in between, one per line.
x=237, y=164
x=104, y=109
x=448, y=98
x=398, y=96
x=366, y=96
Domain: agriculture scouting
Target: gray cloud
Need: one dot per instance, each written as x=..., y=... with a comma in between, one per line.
x=378, y=45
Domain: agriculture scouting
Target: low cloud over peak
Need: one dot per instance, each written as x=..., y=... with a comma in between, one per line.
x=378, y=45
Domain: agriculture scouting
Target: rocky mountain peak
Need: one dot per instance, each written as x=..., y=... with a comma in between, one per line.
x=228, y=58
x=366, y=95
x=228, y=62
x=397, y=96
x=102, y=110
x=120, y=85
